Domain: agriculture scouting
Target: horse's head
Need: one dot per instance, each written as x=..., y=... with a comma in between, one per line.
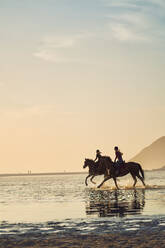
x=87, y=162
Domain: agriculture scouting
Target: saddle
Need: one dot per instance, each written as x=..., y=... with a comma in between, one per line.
x=120, y=163
x=118, y=167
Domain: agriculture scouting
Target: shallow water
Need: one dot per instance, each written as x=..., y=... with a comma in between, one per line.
x=63, y=201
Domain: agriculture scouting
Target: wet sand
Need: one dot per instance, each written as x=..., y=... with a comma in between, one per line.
x=115, y=240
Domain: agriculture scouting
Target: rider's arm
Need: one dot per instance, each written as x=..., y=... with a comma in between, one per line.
x=95, y=159
x=115, y=159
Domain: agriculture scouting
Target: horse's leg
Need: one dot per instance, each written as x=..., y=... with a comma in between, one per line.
x=108, y=171
x=141, y=179
x=105, y=179
x=86, y=180
x=92, y=179
x=134, y=178
x=114, y=179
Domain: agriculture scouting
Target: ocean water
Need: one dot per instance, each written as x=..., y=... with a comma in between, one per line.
x=62, y=203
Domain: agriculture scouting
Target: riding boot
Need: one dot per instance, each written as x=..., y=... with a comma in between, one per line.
x=99, y=168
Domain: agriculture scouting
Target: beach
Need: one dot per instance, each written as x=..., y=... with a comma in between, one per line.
x=127, y=240
x=128, y=232
x=57, y=211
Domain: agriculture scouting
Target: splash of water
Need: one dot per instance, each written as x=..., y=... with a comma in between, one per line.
x=129, y=187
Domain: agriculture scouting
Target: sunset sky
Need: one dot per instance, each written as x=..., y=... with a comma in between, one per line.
x=76, y=76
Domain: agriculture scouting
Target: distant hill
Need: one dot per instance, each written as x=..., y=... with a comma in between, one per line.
x=162, y=168
x=153, y=156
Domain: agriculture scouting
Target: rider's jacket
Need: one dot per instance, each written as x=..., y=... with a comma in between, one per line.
x=119, y=156
x=98, y=156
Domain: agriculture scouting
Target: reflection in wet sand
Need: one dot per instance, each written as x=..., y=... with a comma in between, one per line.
x=118, y=203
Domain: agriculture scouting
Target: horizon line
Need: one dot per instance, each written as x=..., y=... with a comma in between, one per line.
x=41, y=173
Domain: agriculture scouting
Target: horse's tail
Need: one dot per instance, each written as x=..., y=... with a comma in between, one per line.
x=141, y=170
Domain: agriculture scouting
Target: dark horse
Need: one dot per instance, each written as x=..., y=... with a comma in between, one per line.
x=94, y=170
x=107, y=165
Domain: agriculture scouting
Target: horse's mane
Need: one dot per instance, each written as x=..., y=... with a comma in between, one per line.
x=89, y=159
x=104, y=157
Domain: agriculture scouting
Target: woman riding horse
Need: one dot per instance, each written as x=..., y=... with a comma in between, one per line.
x=118, y=159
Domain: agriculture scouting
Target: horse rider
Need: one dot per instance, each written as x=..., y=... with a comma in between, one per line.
x=98, y=156
x=118, y=158
x=98, y=159
x=118, y=155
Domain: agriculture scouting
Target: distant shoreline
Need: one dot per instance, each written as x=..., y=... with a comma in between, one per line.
x=56, y=173
x=41, y=174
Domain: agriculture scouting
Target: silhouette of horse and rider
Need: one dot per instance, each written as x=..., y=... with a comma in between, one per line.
x=103, y=165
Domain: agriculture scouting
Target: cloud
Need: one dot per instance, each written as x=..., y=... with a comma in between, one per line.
x=51, y=45
x=62, y=49
x=128, y=21
x=129, y=27
x=52, y=41
x=136, y=21
x=160, y=3
x=118, y=3
x=133, y=3
x=124, y=33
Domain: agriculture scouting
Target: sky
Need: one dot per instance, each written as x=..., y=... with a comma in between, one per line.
x=76, y=76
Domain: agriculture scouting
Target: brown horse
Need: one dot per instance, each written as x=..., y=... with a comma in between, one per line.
x=133, y=168
x=94, y=170
x=107, y=165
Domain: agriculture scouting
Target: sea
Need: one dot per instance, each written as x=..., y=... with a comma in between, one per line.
x=64, y=204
